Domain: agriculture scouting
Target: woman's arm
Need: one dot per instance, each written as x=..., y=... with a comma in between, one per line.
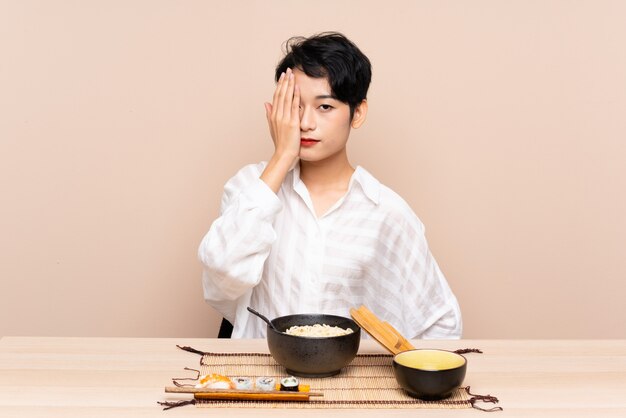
x=234, y=250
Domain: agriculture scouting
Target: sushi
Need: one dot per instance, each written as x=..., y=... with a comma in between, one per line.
x=215, y=381
x=289, y=384
x=265, y=383
x=261, y=384
x=242, y=382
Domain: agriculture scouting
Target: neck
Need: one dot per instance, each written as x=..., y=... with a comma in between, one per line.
x=327, y=174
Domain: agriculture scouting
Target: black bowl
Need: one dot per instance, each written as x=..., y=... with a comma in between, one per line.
x=429, y=374
x=313, y=356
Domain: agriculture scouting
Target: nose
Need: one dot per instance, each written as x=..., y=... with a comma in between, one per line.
x=307, y=119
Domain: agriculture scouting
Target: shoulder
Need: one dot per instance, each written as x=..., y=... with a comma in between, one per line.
x=251, y=170
x=399, y=212
x=396, y=211
x=245, y=176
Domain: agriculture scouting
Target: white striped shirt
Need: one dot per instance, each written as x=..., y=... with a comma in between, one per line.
x=271, y=252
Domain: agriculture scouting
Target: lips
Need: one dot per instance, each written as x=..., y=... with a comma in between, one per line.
x=307, y=142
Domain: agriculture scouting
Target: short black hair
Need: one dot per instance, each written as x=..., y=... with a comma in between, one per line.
x=335, y=57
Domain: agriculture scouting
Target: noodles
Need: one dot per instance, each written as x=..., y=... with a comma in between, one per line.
x=318, y=330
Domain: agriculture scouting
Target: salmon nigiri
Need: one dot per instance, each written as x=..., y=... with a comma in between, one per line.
x=215, y=381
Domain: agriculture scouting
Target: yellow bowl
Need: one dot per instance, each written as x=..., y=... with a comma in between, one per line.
x=429, y=374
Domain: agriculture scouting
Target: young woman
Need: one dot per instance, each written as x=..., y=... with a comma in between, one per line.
x=306, y=232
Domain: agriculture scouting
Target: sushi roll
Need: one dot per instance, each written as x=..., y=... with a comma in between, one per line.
x=215, y=381
x=265, y=383
x=289, y=384
x=242, y=383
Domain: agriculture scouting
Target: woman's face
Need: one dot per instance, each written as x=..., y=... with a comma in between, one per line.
x=324, y=121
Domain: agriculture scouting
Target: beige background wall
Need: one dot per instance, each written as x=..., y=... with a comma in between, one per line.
x=502, y=123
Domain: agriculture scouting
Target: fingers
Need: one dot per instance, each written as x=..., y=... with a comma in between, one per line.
x=268, y=115
x=288, y=99
x=284, y=96
x=268, y=111
x=277, y=100
x=295, y=106
x=283, y=115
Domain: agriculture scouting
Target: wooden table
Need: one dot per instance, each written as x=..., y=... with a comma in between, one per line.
x=116, y=377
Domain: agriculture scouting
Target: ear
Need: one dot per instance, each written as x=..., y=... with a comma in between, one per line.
x=360, y=112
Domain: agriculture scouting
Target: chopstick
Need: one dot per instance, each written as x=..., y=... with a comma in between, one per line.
x=242, y=394
x=382, y=332
x=375, y=329
x=231, y=396
x=402, y=344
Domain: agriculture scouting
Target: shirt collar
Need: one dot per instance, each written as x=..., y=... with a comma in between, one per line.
x=297, y=183
x=367, y=182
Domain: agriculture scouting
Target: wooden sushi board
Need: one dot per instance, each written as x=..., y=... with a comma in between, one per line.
x=243, y=394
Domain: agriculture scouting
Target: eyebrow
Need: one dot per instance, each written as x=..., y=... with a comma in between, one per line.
x=326, y=96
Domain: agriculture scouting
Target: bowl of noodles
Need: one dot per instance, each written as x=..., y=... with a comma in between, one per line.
x=313, y=345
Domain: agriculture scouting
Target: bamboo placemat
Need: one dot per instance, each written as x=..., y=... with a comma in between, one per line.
x=367, y=382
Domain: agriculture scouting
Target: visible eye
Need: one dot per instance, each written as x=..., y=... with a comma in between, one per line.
x=326, y=107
